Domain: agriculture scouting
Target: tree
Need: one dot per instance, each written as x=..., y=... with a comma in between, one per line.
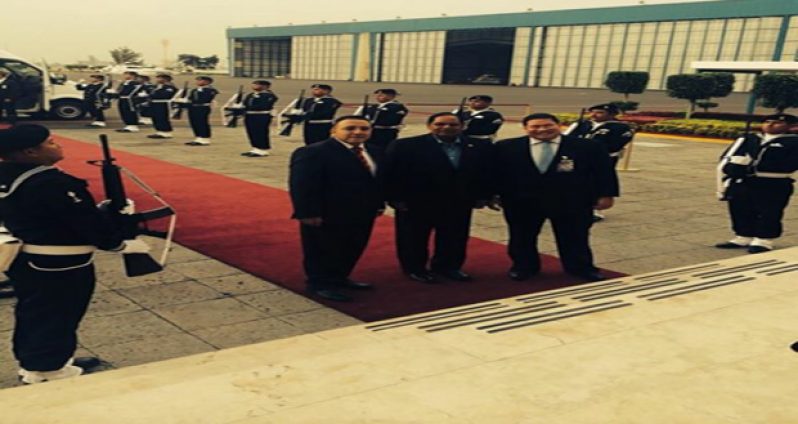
x=209, y=62
x=691, y=87
x=724, y=83
x=779, y=91
x=188, y=59
x=123, y=55
x=627, y=82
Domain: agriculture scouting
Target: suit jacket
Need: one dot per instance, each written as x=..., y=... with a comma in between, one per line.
x=579, y=174
x=327, y=180
x=417, y=171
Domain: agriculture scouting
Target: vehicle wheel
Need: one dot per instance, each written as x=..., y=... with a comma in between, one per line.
x=67, y=109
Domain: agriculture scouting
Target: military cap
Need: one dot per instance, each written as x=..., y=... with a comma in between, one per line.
x=388, y=91
x=608, y=107
x=164, y=76
x=784, y=117
x=98, y=76
x=22, y=137
x=322, y=86
x=262, y=82
x=204, y=78
x=484, y=97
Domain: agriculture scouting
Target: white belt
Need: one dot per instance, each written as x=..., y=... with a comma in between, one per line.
x=615, y=155
x=773, y=175
x=125, y=97
x=200, y=104
x=387, y=127
x=320, y=121
x=161, y=101
x=259, y=112
x=482, y=137
x=57, y=250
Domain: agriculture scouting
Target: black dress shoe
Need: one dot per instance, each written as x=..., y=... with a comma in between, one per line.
x=758, y=249
x=730, y=245
x=422, y=277
x=330, y=294
x=454, y=274
x=519, y=275
x=356, y=285
x=157, y=136
x=591, y=276
x=88, y=363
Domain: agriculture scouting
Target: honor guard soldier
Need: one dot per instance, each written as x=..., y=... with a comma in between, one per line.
x=757, y=179
x=606, y=129
x=258, y=107
x=386, y=117
x=199, y=110
x=160, y=106
x=126, y=93
x=94, y=99
x=60, y=227
x=142, y=100
x=481, y=121
x=318, y=113
x=9, y=93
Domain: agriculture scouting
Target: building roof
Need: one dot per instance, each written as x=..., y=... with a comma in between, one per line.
x=717, y=9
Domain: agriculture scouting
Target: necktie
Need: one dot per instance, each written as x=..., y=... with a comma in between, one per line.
x=546, y=156
x=358, y=151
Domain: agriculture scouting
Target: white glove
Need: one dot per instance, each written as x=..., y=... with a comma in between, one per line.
x=741, y=160
x=110, y=91
x=142, y=95
x=135, y=246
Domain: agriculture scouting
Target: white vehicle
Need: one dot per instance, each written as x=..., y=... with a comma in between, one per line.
x=141, y=69
x=43, y=93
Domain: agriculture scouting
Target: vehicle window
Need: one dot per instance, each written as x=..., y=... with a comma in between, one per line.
x=22, y=69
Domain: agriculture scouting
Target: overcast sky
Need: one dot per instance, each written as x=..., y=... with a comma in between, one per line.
x=66, y=31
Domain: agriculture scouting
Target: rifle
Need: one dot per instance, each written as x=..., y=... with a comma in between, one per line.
x=292, y=114
x=233, y=109
x=724, y=182
x=361, y=111
x=460, y=111
x=132, y=224
x=180, y=104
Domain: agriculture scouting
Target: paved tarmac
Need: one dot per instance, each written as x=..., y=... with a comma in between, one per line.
x=667, y=216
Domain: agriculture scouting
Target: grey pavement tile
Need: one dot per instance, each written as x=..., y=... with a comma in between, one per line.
x=279, y=302
x=209, y=313
x=247, y=332
x=170, y=294
x=121, y=328
x=118, y=281
x=202, y=269
x=640, y=248
x=237, y=284
x=109, y=303
x=320, y=320
x=151, y=349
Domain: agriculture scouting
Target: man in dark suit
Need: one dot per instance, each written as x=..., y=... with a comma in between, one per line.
x=546, y=175
x=434, y=181
x=336, y=198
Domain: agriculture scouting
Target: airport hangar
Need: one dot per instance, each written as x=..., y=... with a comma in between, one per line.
x=568, y=48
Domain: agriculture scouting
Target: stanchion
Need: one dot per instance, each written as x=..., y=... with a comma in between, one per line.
x=627, y=157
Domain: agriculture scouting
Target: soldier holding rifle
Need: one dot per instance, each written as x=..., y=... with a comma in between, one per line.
x=160, y=101
x=258, y=107
x=386, y=117
x=318, y=113
x=759, y=171
x=481, y=121
x=60, y=227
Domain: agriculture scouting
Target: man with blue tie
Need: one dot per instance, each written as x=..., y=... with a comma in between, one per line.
x=547, y=175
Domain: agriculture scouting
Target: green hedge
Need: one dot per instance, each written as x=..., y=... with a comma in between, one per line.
x=701, y=127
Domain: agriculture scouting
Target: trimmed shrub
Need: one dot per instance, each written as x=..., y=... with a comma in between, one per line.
x=779, y=91
x=691, y=87
x=627, y=82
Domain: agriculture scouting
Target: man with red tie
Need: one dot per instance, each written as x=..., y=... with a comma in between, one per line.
x=336, y=197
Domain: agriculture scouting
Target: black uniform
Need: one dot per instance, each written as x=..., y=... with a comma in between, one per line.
x=199, y=110
x=482, y=124
x=386, y=121
x=615, y=135
x=10, y=91
x=51, y=208
x=565, y=194
x=317, y=118
x=160, y=100
x=142, y=100
x=126, y=93
x=328, y=180
x=440, y=194
x=759, y=192
x=94, y=99
x=258, y=116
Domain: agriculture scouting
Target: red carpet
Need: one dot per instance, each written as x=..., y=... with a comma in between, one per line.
x=247, y=225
